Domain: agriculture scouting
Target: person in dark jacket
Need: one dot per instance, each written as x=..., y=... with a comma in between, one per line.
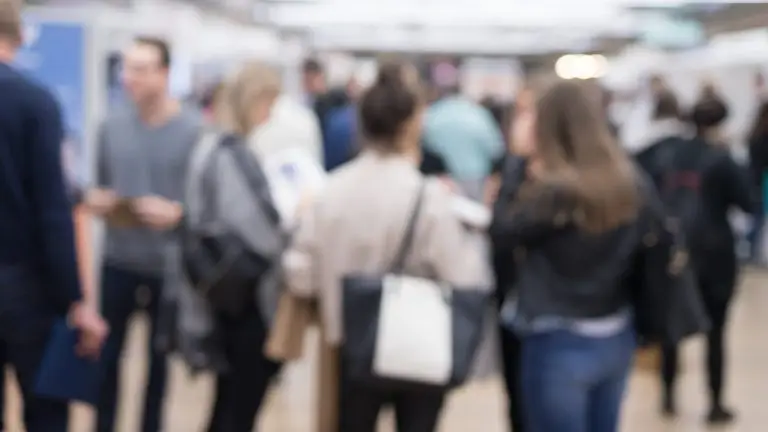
x=722, y=185
x=322, y=99
x=665, y=132
x=573, y=214
x=39, y=277
x=504, y=172
x=758, y=162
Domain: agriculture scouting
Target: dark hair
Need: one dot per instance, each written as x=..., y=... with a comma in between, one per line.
x=709, y=112
x=387, y=105
x=667, y=107
x=607, y=97
x=760, y=127
x=162, y=47
x=312, y=66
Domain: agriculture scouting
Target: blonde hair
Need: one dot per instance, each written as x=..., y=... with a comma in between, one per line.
x=252, y=84
x=10, y=20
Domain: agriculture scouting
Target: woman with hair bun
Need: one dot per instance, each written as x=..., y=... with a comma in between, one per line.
x=355, y=227
x=704, y=169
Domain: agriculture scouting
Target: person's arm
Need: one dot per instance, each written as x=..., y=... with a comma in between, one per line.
x=315, y=138
x=492, y=141
x=511, y=177
x=735, y=178
x=493, y=182
x=454, y=253
x=299, y=261
x=102, y=179
x=523, y=223
x=52, y=208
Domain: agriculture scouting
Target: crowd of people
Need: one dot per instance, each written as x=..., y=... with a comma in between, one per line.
x=221, y=219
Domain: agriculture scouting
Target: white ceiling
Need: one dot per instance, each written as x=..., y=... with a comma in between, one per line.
x=489, y=26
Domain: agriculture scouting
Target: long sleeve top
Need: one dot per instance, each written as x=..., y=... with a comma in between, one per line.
x=36, y=226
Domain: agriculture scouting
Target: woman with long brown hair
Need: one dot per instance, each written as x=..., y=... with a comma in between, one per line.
x=573, y=218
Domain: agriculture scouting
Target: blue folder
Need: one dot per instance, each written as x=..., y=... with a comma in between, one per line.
x=64, y=375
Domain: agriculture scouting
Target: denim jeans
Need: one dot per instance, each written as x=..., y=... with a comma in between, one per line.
x=575, y=383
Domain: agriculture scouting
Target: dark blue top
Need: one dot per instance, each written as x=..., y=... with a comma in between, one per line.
x=36, y=227
x=340, y=131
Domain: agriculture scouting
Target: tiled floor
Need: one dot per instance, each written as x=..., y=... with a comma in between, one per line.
x=479, y=406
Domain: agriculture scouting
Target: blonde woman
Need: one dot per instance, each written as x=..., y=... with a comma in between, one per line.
x=227, y=189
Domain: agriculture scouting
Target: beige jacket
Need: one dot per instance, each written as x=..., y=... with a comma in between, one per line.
x=356, y=225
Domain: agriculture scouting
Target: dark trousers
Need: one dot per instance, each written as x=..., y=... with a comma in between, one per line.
x=575, y=383
x=359, y=407
x=119, y=300
x=511, y=356
x=25, y=323
x=3, y=363
x=754, y=235
x=241, y=390
x=717, y=308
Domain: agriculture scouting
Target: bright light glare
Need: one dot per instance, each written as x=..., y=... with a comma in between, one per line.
x=581, y=66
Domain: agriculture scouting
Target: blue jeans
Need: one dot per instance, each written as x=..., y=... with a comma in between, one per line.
x=574, y=383
x=119, y=289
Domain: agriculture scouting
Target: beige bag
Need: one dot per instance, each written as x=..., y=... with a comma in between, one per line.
x=286, y=337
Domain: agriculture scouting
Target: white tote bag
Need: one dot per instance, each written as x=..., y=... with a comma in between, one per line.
x=415, y=332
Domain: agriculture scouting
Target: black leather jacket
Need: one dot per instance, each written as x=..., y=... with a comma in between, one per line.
x=560, y=271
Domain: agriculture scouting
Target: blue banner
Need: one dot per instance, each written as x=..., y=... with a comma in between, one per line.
x=54, y=55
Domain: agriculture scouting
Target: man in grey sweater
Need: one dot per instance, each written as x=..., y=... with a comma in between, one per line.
x=142, y=156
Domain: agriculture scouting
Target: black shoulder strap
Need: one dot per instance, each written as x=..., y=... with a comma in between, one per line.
x=398, y=265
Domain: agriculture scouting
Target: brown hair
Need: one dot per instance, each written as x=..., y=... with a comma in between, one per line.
x=254, y=82
x=580, y=158
x=388, y=105
x=666, y=106
x=161, y=46
x=760, y=128
x=10, y=20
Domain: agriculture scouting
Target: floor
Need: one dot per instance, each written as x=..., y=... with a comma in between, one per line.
x=478, y=407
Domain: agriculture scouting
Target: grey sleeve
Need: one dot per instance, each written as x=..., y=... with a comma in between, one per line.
x=102, y=179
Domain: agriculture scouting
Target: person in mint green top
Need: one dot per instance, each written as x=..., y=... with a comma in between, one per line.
x=466, y=136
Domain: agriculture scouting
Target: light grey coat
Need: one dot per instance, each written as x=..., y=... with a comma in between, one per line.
x=237, y=210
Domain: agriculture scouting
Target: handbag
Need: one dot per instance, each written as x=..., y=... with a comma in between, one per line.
x=217, y=261
x=286, y=336
x=405, y=332
x=667, y=302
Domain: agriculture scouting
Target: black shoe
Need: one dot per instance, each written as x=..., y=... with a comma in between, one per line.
x=668, y=407
x=720, y=415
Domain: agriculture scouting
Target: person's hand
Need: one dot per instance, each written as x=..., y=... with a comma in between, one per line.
x=449, y=184
x=92, y=328
x=535, y=168
x=305, y=202
x=522, y=139
x=100, y=201
x=158, y=213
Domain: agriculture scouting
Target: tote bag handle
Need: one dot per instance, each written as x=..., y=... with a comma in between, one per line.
x=398, y=265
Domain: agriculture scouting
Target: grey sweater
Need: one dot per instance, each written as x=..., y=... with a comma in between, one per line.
x=137, y=160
